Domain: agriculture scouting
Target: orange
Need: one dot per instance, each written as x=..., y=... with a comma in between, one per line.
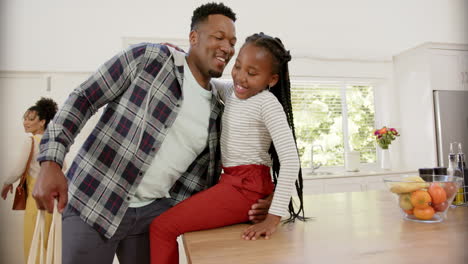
x=437, y=193
x=424, y=213
x=410, y=212
x=421, y=199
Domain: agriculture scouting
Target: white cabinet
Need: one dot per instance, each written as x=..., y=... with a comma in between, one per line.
x=448, y=69
x=312, y=186
x=377, y=182
x=417, y=73
x=350, y=183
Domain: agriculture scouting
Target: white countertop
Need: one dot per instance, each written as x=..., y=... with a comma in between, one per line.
x=345, y=174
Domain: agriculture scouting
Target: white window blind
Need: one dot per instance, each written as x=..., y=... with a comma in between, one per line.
x=333, y=117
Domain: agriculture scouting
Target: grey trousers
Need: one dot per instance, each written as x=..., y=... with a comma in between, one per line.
x=83, y=244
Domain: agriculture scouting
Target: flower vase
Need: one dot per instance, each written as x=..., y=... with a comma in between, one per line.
x=385, y=159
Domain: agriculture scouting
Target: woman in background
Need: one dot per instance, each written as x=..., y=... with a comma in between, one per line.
x=35, y=120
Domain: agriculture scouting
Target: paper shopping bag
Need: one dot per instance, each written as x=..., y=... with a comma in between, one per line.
x=54, y=241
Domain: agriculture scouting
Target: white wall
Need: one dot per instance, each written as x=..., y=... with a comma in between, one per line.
x=48, y=47
x=19, y=91
x=57, y=35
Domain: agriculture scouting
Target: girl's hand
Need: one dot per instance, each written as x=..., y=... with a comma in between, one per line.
x=265, y=228
x=5, y=189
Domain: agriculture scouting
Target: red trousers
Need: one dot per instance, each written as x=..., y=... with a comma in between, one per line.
x=226, y=203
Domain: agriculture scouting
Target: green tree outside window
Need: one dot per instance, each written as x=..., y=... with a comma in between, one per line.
x=318, y=118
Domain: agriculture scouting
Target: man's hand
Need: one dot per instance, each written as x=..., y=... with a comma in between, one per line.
x=5, y=189
x=265, y=228
x=259, y=210
x=50, y=184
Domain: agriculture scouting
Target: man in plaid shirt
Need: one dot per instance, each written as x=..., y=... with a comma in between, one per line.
x=155, y=144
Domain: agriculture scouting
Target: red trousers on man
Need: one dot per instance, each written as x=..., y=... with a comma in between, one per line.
x=226, y=203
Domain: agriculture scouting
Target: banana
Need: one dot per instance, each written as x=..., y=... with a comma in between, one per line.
x=408, y=184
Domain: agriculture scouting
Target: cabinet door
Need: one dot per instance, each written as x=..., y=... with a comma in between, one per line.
x=353, y=184
x=464, y=70
x=449, y=70
x=313, y=187
x=377, y=182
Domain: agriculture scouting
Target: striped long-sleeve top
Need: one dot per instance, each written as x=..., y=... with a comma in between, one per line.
x=248, y=128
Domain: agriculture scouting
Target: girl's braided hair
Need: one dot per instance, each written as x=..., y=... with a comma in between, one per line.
x=282, y=91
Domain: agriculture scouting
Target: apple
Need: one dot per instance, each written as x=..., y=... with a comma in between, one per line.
x=450, y=189
x=405, y=201
x=440, y=207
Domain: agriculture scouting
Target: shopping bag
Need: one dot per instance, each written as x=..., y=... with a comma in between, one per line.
x=54, y=241
x=21, y=195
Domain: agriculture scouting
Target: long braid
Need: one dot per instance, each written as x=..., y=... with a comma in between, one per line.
x=282, y=91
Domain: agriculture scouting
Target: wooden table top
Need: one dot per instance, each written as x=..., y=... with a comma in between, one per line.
x=358, y=227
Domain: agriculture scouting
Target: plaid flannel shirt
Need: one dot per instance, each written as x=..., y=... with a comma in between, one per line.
x=141, y=88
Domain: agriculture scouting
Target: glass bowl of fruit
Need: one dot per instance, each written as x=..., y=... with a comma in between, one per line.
x=424, y=198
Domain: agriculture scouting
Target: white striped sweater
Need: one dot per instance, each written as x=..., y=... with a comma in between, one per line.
x=248, y=128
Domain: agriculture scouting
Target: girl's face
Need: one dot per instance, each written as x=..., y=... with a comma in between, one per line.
x=32, y=124
x=253, y=71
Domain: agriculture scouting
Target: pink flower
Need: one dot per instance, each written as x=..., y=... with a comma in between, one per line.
x=385, y=136
x=394, y=131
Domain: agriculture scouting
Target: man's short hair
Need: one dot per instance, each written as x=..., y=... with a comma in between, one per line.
x=202, y=12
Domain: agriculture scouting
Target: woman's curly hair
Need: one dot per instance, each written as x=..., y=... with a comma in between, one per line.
x=46, y=108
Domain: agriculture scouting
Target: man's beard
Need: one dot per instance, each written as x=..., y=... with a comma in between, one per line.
x=215, y=74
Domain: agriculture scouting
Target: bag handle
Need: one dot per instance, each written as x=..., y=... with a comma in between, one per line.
x=54, y=242
x=37, y=240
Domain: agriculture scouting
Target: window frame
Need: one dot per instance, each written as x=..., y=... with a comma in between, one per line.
x=377, y=84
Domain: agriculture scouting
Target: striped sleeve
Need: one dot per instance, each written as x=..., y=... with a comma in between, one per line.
x=283, y=140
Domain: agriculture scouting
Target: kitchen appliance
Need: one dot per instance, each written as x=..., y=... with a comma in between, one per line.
x=451, y=118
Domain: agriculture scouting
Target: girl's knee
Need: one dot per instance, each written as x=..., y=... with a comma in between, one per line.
x=162, y=226
x=156, y=226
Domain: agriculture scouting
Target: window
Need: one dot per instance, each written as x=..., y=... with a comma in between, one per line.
x=333, y=117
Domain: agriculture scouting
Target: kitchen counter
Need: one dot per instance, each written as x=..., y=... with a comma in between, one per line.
x=357, y=227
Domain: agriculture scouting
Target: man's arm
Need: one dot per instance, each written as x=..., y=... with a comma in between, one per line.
x=259, y=211
x=109, y=82
x=51, y=184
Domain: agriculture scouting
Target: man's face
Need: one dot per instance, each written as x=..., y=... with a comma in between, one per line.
x=212, y=46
